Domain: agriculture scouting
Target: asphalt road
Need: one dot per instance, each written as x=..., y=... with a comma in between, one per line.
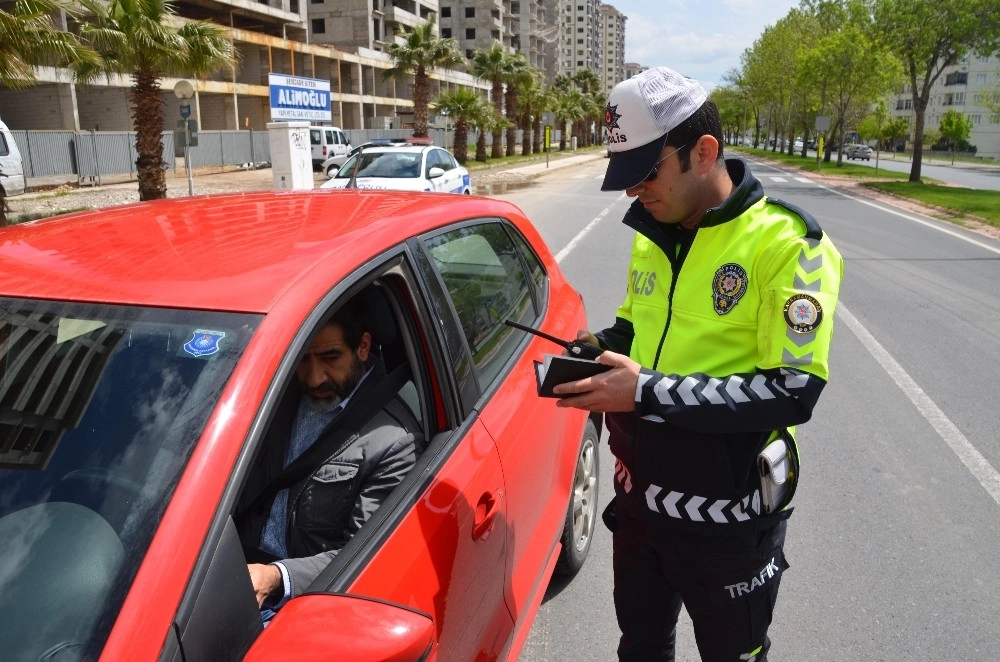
x=893, y=545
x=969, y=175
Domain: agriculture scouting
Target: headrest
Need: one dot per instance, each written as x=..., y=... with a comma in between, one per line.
x=383, y=323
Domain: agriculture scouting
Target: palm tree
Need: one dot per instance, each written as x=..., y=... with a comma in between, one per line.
x=519, y=73
x=532, y=96
x=589, y=85
x=421, y=51
x=492, y=64
x=569, y=107
x=137, y=38
x=487, y=121
x=462, y=106
x=29, y=37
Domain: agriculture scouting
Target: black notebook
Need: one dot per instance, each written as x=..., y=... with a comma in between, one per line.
x=558, y=369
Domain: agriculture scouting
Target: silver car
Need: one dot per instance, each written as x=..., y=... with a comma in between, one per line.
x=858, y=152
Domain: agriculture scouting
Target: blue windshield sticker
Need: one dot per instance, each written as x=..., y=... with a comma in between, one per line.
x=204, y=343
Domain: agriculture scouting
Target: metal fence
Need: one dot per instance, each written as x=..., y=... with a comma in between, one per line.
x=90, y=155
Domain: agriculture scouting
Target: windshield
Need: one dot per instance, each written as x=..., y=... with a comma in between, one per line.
x=100, y=409
x=396, y=165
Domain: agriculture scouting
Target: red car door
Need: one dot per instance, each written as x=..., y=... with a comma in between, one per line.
x=444, y=557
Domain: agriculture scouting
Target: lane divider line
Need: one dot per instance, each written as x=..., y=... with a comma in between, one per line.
x=978, y=466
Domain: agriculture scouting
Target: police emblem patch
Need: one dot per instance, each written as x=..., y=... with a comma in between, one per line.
x=204, y=343
x=803, y=313
x=729, y=286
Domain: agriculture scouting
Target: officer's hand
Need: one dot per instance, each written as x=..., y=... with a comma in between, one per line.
x=266, y=581
x=586, y=336
x=613, y=390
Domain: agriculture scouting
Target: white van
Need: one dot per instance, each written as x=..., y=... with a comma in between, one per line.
x=327, y=141
x=12, y=180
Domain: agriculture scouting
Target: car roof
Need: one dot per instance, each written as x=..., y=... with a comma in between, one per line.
x=245, y=252
x=399, y=148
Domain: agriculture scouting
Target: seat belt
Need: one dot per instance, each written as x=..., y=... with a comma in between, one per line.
x=344, y=427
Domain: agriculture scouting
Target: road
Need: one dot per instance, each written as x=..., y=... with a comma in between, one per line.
x=986, y=177
x=893, y=545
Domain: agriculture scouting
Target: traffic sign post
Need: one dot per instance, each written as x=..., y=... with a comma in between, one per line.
x=187, y=129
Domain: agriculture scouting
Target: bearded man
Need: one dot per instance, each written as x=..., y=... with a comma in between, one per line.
x=291, y=534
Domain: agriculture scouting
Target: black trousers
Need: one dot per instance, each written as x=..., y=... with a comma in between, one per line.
x=728, y=585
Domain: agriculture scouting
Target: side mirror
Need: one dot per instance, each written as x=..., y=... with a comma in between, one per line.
x=435, y=172
x=337, y=627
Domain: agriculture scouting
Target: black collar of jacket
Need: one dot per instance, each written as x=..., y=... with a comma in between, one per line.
x=747, y=193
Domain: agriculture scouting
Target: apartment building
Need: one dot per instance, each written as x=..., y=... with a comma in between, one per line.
x=271, y=36
x=633, y=69
x=581, y=37
x=612, y=29
x=971, y=87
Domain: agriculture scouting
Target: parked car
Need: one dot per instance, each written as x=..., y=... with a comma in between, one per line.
x=855, y=151
x=137, y=393
x=11, y=168
x=403, y=167
x=327, y=142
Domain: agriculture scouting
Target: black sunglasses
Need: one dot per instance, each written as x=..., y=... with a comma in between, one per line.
x=653, y=173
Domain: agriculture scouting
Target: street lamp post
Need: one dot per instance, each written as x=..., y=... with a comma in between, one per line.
x=184, y=90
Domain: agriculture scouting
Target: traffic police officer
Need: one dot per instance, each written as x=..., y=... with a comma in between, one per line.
x=719, y=349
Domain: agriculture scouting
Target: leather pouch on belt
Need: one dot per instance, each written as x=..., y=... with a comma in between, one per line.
x=778, y=470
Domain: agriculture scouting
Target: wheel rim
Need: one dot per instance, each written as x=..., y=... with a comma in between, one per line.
x=584, y=495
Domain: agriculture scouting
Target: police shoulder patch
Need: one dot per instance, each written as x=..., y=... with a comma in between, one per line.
x=803, y=313
x=729, y=285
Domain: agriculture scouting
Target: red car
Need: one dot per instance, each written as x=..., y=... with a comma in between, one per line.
x=143, y=350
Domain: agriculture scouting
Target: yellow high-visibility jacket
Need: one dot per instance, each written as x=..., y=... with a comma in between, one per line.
x=731, y=323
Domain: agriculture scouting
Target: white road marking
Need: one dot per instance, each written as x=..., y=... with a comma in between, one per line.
x=568, y=248
x=909, y=217
x=973, y=460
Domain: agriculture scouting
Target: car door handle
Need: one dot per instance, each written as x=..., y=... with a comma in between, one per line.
x=486, y=515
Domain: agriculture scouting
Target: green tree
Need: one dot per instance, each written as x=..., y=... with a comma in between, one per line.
x=493, y=64
x=928, y=37
x=856, y=69
x=420, y=51
x=955, y=128
x=29, y=36
x=534, y=101
x=519, y=75
x=487, y=121
x=594, y=102
x=463, y=106
x=138, y=38
x=569, y=107
x=895, y=129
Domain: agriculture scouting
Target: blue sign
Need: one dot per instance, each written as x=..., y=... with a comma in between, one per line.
x=296, y=98
x=185, y=110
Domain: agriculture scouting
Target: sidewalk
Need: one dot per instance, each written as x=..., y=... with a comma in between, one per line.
x=239, y=179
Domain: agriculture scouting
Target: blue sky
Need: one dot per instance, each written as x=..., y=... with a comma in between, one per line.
x=700, y=39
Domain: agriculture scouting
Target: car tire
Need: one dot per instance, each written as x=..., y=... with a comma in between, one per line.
x=581, y=516
x=332, y=170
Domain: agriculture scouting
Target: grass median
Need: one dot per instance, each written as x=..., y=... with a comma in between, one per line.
x=978, y=204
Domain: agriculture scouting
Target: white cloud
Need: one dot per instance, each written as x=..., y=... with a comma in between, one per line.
x=703, y=40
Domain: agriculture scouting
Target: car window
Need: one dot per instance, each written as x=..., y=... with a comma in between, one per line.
x=102, y=407
x=447, y=160
x=315, y=137
x=484, y=275
x=436, y=159
x=535, y=270
x=329, y=138
x=4, y=150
